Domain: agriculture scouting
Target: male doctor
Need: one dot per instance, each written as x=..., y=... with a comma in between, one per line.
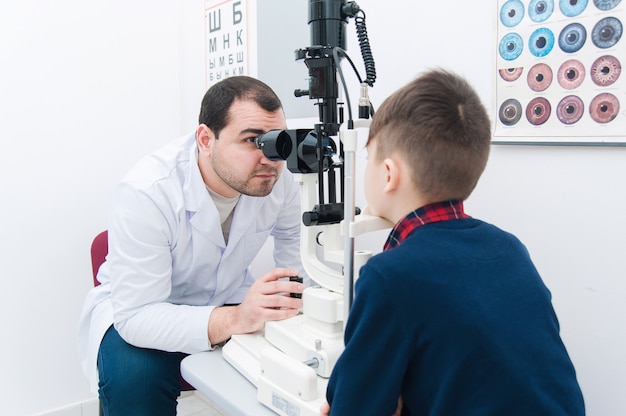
x=186, y=223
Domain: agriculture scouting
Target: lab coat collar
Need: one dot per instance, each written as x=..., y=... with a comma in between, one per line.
x=198, y=204
x=194, y=188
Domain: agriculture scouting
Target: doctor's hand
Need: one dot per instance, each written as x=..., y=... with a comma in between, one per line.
x=268, y=299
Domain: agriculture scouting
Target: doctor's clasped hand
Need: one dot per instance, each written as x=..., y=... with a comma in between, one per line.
x=267, y=300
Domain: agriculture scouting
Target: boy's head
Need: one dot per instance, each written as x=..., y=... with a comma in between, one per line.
x=439, y=130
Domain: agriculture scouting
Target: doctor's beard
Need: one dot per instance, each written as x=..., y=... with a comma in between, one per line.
x=259, y=182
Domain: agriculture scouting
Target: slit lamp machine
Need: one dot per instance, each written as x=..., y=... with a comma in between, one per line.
x=290, y=361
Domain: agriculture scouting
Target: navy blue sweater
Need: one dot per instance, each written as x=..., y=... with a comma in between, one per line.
x=457, y=321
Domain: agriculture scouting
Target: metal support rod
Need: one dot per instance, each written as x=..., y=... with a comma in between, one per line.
x=349, y=140
x=313, y=363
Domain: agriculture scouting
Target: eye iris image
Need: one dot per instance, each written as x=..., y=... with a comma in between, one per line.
x=570, y=109
x=511, y=74
x=539, y=77
x=540, y=10
x=511, y=46
x=541, y=42
x=510, y=112
x=605, y=70
x=605, y=5
x=572, y=38
x=538, y=111
x=571, y=74
x=607, y=32
x=604, y=108
x=512, y=13
x=572, y=8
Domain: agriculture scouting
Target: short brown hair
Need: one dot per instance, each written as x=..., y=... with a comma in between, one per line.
x=214, y=111
x=438, y=124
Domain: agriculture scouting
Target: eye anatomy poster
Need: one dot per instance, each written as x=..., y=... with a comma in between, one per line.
x=559, y=71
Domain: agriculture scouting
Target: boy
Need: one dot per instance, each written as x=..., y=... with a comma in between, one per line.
x=452, y=318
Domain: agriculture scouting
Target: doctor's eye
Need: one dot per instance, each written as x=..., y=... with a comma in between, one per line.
x=511, y=13
x=571, y=8
x=572, y=38
x=607, y=32
x=511, y=46
x=254, y=140
x=540, y=10
x=541, y=42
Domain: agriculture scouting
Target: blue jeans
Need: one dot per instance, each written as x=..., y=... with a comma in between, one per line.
x=137, y=381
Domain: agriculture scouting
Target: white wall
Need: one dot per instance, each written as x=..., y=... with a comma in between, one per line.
x=86, y=88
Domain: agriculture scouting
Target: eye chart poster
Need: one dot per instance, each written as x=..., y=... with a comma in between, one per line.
x=559, y=71
x=226, y=39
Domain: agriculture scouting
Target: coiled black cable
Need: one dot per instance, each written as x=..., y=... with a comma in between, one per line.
x=366, y=50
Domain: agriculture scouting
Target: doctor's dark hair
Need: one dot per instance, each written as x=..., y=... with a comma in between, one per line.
x=439, y=126
x=214, y=112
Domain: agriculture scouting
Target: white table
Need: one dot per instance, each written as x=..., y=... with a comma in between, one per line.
x=218, y=381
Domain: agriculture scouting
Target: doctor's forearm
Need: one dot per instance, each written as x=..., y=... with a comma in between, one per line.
x=222, y=324
x=250, y=315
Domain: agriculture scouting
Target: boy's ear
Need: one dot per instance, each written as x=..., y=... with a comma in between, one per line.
x=393, y=171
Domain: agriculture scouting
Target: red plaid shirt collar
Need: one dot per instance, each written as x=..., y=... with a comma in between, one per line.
x=437, y=212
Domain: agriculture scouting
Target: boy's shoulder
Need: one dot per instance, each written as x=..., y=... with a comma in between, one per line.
x=435, y=242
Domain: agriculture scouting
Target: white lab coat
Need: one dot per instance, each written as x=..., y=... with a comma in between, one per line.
x=168, y=265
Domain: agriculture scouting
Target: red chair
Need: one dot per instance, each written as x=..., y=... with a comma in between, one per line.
x=99, y=251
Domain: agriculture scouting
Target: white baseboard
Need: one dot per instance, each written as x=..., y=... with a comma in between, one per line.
x=87, y=408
